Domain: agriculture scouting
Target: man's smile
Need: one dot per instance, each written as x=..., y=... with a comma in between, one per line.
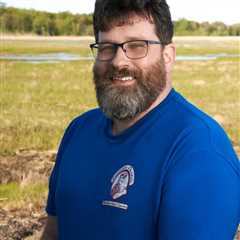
x=123, y=80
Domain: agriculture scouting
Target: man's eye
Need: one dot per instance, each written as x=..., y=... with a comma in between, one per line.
x=135, y=45
x=105, y=48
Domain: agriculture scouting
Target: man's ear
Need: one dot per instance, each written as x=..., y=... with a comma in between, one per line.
x=169, y=56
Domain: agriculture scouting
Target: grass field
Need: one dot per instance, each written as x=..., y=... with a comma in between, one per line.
x=37, y=101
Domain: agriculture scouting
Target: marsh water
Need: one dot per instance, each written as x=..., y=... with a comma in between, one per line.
x=65, y=57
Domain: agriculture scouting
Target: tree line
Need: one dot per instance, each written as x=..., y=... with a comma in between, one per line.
x=22, y=21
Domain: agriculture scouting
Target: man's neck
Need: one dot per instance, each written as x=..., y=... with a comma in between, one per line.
x=120, y=125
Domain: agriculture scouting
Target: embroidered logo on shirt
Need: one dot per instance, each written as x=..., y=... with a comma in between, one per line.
x=123, y=178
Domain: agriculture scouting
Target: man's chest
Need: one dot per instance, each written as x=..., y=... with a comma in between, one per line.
x=110, y=187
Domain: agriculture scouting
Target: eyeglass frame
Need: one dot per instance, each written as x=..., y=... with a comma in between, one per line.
x=121, y=45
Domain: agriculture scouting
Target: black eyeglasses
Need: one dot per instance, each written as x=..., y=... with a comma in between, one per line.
x=134, y=49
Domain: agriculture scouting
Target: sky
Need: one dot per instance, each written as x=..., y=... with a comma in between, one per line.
x=201, y=10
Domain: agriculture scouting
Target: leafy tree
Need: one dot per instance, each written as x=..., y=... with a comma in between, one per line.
x=27, y=22
x=41, y=25
x=234, y=30
x=14, y=20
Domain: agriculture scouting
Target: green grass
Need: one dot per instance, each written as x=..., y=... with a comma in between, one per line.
x=189, y=49
x=37, y=47
x=37, y=101
x=207, y=46
x=13, y=195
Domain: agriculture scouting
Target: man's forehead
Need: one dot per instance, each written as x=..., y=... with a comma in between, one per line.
x=127, y=32
x=130, y=18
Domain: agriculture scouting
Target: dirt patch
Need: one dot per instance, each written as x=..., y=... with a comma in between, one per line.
x=20, y=224
x=26, y=166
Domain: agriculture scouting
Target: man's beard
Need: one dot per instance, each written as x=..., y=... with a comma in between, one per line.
x=125, y=102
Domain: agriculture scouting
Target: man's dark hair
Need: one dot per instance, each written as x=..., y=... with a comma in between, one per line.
x=110, y=13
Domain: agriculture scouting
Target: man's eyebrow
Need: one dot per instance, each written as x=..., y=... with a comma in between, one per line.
x=107, y=41
x=135, y=38
x=130, y=38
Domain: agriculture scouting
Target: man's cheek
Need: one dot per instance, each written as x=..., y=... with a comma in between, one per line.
x=100, y=68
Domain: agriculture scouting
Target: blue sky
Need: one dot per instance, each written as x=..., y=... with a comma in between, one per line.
x=201, y=10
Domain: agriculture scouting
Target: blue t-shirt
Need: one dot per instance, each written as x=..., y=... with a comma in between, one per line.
x=172, y=175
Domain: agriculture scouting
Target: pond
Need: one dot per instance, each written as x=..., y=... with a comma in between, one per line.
x=65, y=57
x=44, y=58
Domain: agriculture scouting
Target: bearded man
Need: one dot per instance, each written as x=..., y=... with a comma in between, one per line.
x=146, y=164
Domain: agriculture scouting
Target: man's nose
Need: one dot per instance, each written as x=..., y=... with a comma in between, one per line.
x=120, y=59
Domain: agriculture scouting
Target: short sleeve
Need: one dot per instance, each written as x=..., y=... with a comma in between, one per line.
x=200, y=199
x=51, y=208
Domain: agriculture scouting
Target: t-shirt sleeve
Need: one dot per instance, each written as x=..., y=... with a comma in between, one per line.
x=50, y=207
x=200, y=199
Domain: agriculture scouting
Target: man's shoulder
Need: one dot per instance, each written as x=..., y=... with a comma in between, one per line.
x=86, y=118
x=191, y=116
x=201, y=131
x=90, y=115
